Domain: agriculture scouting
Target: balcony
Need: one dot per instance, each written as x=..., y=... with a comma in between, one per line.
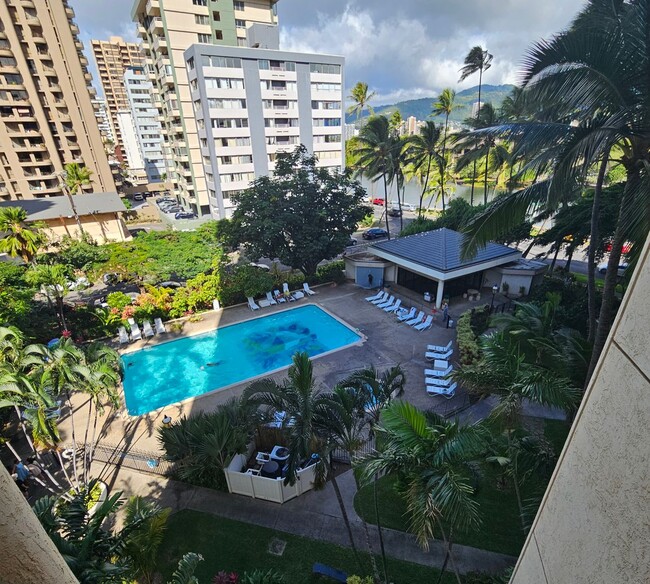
x=6, y=52
x=32, y=20
x=156, y=26
x=152, y=8
x=22, y=147
x=74, y=28
x=69, y=12
x=159, y=44
x=27, y=4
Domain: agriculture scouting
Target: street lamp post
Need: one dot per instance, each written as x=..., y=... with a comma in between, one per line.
x=495, y=289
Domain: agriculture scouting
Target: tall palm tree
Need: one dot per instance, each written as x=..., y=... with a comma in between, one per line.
x=478, y=59
x=376, y=151
x=429, y=456
x=20, y=239
x=360, y=97
x=444, y=105
x=423, y=151
x=75, y=177
x=400, y=161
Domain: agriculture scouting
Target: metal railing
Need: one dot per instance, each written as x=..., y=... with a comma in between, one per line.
x=140, y=460
x=340, y=455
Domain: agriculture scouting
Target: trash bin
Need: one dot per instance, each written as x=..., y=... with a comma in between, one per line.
x=427, y=296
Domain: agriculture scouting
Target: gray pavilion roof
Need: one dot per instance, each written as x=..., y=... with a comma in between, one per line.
x=440, y=250
x=59, y=206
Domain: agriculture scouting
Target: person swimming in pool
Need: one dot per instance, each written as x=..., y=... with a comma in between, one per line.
x=214, y=364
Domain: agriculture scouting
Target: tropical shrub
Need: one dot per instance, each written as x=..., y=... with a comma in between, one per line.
x=332, y=272
x=118, y=301
x=80, y=254
x=469, y=327
x=199, y=292
x=359, y=580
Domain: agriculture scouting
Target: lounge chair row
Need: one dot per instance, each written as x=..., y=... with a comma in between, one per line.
x=418, y=321
x=278, y=297
x=437, y=380
x=136, y=333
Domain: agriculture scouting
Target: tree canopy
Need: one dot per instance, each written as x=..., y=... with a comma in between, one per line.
x=301, y=215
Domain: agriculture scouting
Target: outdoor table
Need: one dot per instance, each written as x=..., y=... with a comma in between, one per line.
x=270, y=469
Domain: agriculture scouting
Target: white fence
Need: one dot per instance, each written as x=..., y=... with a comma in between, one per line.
x=260, y=487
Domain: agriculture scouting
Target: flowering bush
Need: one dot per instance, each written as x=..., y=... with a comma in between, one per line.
x=226, y=578
x=118, y=300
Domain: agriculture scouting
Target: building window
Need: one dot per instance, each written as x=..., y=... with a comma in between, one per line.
x=223, y=83
x=227, y=62
x=264, y=64
x=190, y=63
x=226, y=103
x=240, y=23
x=218, y=35
x=201, y=19
x=325, y=68
x=200, y=2
x=233, y=142
x=204, y=38
x=241, y=42
x=238, y=5
x=216, y=16
x=230, y=123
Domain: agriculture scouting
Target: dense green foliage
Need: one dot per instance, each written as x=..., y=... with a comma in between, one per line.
x=469, y=327
x=301, y=215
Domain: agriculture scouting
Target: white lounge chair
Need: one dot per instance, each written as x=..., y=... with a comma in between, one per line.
x=387, y=303
x=278, y=296
x=124, y=336
x=427, y=324
x=375, y=297
x=381, y=299
x=416, y=320
x=394, y=307
x=447, y=392
x=307, y=289
x=287, y=292
x=270, y=298
x=298, y=295
x=251, y=304
x=438, y=372
x=136, y=335
x=160, y=327
x=433, y=356
x=439, y=348
x=438, y=382
x=146, y=327
x=407, y=315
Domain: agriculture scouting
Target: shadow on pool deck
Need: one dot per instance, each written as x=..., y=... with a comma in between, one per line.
x=388, y=343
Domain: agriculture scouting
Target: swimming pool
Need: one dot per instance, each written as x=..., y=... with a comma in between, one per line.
x=172, y=372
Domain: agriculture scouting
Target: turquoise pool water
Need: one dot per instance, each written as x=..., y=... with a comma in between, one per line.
x=171, y=372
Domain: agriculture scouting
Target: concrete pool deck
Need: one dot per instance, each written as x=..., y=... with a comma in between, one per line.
x=387, y=343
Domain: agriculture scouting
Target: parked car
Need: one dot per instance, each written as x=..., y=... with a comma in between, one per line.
x=138, y=197
x=602, y=268
x=352, y=241
x=185, y=215
x=375, y=233
x=161, y=200
x=261, y=266
x=110, y=278
x=378, y=201
x=405, y=206
x=394, y=212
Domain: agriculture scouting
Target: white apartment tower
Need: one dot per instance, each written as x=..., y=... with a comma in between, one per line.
x=252, y=103
x=168, y=28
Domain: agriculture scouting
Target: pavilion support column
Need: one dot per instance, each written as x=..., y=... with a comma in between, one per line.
x=439, y=293
x=28, y=554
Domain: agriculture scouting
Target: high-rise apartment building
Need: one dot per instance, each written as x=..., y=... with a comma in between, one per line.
x=251, y=104
x=113, y=58
x=147, y=127
x=47, y=118
x=103, y=121
x=167, y=29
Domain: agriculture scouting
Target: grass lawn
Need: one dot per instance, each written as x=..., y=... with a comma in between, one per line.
x=501, y=530
x=234, y=546
x=600, y=283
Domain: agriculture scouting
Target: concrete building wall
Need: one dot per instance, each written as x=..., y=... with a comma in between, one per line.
x=100, y=227
x=130, y=141
x=47, y=118
x=594, y=521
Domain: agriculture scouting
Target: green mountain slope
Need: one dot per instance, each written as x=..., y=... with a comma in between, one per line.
x=421, y=108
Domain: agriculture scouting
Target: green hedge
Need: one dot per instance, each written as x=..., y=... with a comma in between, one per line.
x=470, y=326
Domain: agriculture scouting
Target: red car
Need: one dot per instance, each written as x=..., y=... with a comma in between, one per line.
x=378, y=201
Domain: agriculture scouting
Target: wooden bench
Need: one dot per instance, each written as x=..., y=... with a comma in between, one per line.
x=332, y=573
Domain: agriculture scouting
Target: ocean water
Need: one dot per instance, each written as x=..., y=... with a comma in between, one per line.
x=168, y=373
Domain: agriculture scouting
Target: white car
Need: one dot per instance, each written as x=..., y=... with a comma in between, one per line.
x=405, y=206
x=602, y=268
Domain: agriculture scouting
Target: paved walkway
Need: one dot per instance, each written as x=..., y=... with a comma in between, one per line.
x=315, y=515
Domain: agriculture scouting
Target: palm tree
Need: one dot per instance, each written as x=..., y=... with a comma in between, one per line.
x=19, y=238
x=376, y=151
x=360, y=96
x=53, y=281
x=444, y=105
x=400, y=161
x=429, y=455
x=478, y=59
x=423, y=151
x=75, y=177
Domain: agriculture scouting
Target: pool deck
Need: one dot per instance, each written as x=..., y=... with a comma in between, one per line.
x=387, y=343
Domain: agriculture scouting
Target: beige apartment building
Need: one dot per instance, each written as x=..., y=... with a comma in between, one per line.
x=113, y=58
x=167, y=29
x=47, y=118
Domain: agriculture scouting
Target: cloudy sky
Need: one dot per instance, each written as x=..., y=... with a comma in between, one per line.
x=404, y=53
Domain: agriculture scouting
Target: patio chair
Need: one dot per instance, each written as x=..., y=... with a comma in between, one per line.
x=270, y=298
x=375, y=297
x=387, y=303
x=447, y=392
x=278, y=296
x=381, y=299
x=394, y=307
x=146, y=327
x=253, y=471
x=136, y=335
x=433, y=356
x=307, y=289
x=298, y=295
x=124, y=336
x=251, y=304
x=439, y=348
x=438, y=372
x=427, y=324
x=416, y=320
x=262, y=457
x=437, y=382
x=160, y=327
x=407, y=315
